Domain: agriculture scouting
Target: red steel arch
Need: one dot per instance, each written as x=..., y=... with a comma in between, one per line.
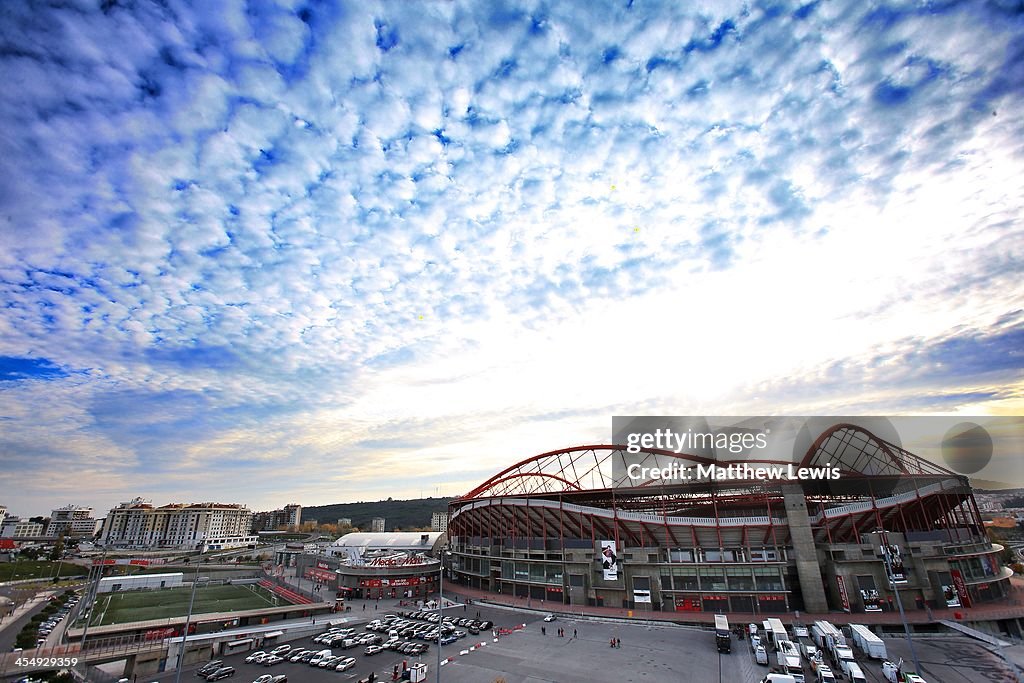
x=590, y=467
x=572, y=466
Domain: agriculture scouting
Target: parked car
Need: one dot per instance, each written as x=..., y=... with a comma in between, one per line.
x=209, y=668
x=372, y=650
x=254, y=656
x=271, y=660
x=222, y=672
x=281, y=678
x=265, y=678
x=281, y=650
x=550, y=617
x=345, y=664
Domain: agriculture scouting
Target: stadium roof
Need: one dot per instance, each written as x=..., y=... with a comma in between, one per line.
x=389, y=540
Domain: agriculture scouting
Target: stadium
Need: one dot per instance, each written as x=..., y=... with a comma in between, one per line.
x=572, y=527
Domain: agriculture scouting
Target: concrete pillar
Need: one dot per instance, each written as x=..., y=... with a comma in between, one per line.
x=807, y=568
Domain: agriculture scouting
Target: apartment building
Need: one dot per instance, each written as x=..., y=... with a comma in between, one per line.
x=186, y=526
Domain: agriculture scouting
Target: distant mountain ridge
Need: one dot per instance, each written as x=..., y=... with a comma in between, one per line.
x=402, y=514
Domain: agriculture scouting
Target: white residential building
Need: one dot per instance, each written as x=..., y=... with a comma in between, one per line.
x=439, y=522
x=192, y=526
x=377, y=524
x=72, y=520
x=15, y=527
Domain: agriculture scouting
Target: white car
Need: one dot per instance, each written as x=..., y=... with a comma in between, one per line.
x=281, y=650
x=550, y=617
x=345, y=664
x=265, y=678
x=255, y=656
x=271, y=660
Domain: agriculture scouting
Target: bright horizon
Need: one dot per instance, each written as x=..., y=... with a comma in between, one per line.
x=365, y=250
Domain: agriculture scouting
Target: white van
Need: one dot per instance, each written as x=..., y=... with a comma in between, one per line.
x=760, y=655
x=319, y=657
x=855, y=674
x=778, y=678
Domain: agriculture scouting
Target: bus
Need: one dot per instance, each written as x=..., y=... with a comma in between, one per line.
x=723, y=637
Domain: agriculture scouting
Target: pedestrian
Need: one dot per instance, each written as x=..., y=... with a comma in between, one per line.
x=611, y=643
x=574, y=633
x=618, y=642
x=543, y=631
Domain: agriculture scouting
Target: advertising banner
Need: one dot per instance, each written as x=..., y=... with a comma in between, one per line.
x=961, y=588
x=319, y=575
x=893, y=558
x=401, y=581
x=950, y=595
x=609, y=561
x=844, y=597
x=641, y=596
x=870, y=599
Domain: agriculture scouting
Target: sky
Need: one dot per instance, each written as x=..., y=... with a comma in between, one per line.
x=320, y=252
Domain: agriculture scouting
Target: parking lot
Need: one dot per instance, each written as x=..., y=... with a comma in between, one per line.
x=648, y=653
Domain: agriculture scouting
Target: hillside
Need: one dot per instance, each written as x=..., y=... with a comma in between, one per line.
x=403, y=514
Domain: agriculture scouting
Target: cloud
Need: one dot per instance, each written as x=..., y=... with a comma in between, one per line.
x=246, y=238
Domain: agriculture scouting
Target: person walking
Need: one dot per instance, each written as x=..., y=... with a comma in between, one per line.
x=543, y=631
x=574, y=633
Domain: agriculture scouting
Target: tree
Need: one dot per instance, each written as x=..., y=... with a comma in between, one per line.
x=58, y=548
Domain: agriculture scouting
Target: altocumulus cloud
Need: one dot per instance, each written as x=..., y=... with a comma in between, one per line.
x=234, y=238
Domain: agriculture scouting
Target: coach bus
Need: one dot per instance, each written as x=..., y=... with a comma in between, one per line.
x=723, y=638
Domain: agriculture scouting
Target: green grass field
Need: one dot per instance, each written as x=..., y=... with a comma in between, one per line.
x=119, y=608
x=34, y=569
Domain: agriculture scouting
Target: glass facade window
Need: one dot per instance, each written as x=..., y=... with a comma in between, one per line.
x=680, y=555
x=764, y=555
x=740, y=578
x=713, y=578
x=768, y=579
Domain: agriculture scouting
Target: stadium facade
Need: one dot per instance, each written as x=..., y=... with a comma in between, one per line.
x=570, y=527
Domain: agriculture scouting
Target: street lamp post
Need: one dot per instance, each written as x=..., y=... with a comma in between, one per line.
x=90, y=600
x=184, y=634
x=887, y=561
x=440, y=611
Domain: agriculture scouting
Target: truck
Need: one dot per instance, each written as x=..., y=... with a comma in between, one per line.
x=723, y=637
x=775, y=632
x=853, y=670
x=842, y=655
x=868, y=643
x=788, y=660
x=825, y=635
x=825, y=675
x=894, y=673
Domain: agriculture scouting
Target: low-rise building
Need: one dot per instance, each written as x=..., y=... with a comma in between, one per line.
x=16, y=527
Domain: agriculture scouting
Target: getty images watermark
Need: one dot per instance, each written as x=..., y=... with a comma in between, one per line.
x=730, y=451
x=764, y=448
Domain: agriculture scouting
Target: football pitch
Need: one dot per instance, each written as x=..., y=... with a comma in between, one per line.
x=119, y=608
